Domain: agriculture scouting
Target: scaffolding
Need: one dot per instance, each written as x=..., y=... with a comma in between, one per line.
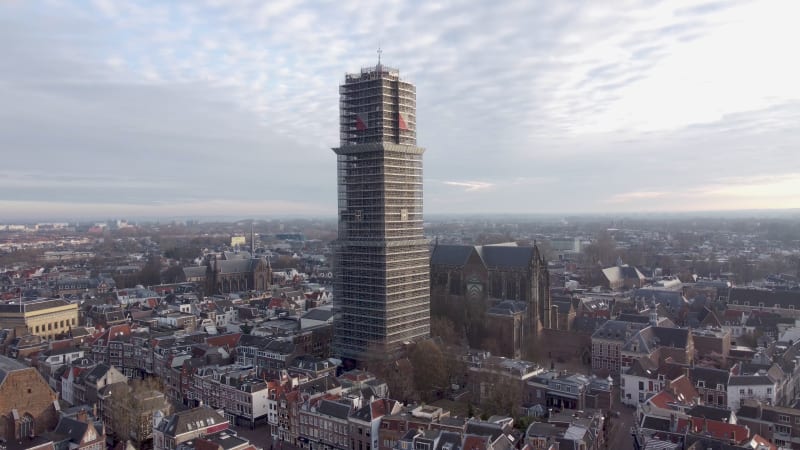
x=382, y=275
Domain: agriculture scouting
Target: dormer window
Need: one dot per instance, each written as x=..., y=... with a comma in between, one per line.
x=701, y=384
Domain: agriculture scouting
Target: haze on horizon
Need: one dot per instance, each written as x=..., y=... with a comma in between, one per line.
x=230, y=108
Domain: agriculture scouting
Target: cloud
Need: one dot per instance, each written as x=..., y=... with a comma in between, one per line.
x=470, y=186
x=777, y=191
x=636, y=196
x=547, y=106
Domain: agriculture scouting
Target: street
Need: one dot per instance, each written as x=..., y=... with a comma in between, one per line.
x=260, y=437
x=619, y=437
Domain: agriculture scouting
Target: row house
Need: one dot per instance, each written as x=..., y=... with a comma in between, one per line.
x=607, y=344
x=234, y=389
x=711, y=385
x=50, y=360
x=171, y=431
x=271, y=356
x=81, y=383
x=108, y=346
x=274, y=393
x=485, y=374
x=291, y=401
x=564, y=390
x=583, y=430
x=659, y=344
x=395, y=426
x=753, y=381
x=779, y=424
x=640, y=381
x=365, y=422
x=324, y=423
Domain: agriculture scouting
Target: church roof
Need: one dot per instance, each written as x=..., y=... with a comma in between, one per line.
x=451, y=255
x=194, y=271
x=504, y=256
x=492, y=255
x=237, y=265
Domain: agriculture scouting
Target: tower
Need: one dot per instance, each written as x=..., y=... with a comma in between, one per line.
x=381, y=287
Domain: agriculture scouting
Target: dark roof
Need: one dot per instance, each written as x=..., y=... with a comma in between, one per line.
x=656, y=423
x=587, y=324
x=674, y=300
x=492, y=255
x=9, y=365
x=451, y=255
x=318, y=385
x=72, y=429
x=633, y=318
x=492, y=430
x=320, y=314
x=711, y=377
x=643, y=367
x=710, y=412
x=249, y=340
x=190, y=420
x=506, y=256
x=194, y=271
x=769, y=298
x=508, y=308
x=449, y=437
x=750, y=380
x=29, y=306
x=237, y=265
x=334, y=409
x=96, y=373
x=671, y=337
x=615, y=330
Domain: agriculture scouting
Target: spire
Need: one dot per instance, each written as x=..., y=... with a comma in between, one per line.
x=252, y=241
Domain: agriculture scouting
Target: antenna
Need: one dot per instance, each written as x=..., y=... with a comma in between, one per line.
x=379, y=53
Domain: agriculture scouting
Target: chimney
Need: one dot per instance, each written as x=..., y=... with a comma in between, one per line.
x=82, y=416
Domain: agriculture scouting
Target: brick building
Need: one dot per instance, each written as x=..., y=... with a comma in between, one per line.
x=467, y=280
x=27, y=403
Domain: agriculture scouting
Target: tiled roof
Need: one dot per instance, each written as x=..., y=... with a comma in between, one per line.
x=504, y=256
x=713, y=428
x=190, y=420
x=508, y=308
x=334, y=409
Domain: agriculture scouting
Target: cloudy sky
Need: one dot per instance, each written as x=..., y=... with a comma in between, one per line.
x=115, y=108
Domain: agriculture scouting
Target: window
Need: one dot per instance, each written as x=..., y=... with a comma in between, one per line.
x=26, y=428
x=741, y=391
x=720, y=387
x=769, y=391
x=701, y=384
x=783, y=418
x=641, y=385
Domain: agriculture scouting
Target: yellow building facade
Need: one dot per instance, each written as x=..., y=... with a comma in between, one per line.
x=45, y=318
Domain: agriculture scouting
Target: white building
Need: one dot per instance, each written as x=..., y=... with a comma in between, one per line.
x=639, y=381
x=757, y=386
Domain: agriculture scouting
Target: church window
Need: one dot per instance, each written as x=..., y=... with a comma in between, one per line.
x=26, y=428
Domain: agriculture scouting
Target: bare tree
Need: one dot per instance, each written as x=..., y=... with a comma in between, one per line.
x=129, y=408
x=430, y=370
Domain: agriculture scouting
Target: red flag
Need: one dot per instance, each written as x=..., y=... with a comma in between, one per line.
x=401, y=121
x=361, y=123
